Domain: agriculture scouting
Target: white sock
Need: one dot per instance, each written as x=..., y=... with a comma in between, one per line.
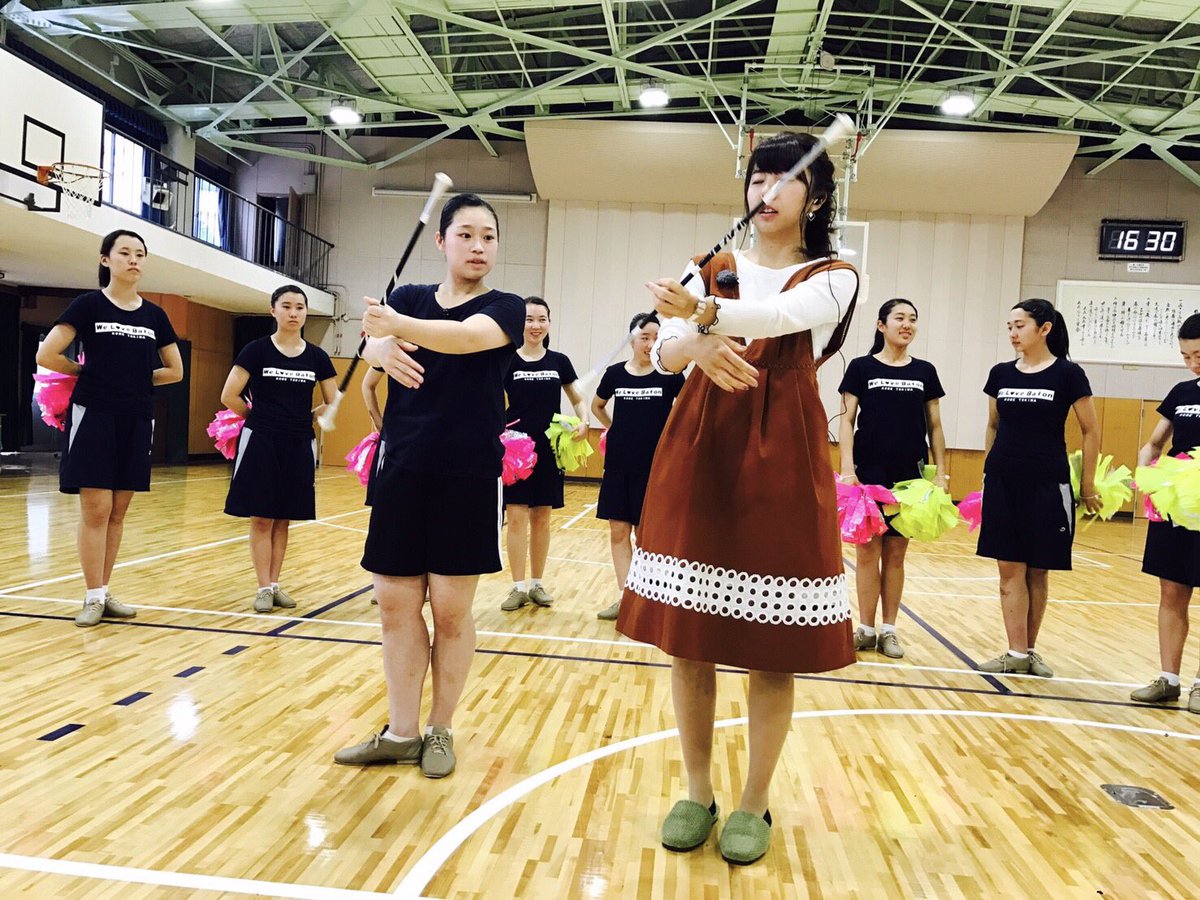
x=534, y=582
x=274, y=585
x=887, y=629
x=429, y=731
x=519, y=585
x=390, y=735
x=104, y=587
x=1196, y=681
x=868, y=630
x=94, y=594
x=1172, y=678
x=1015, y=655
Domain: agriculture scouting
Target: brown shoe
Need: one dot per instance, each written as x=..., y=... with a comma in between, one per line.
x=1006, y=664
x=378, y=749
x=437, y=753
x=864, y=641
x=1194, y=699
x=889, y=645
x=1159, y=691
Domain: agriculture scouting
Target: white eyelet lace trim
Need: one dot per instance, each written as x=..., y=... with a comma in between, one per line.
x=768, y=599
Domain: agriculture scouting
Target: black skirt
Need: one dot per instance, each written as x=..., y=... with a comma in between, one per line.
x=621, y=496
x=1026, y=520
x=1172, y=553
x=274, y=476
x=543, y=487
x=105, y=450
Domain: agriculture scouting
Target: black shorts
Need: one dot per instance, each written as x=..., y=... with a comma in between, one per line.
x=543, y=487
x=105, y=450
x=621, y=496
x=888, y=476
x=427, y=523
x=1027, y=520
x=274, y=476
x=1172, y=553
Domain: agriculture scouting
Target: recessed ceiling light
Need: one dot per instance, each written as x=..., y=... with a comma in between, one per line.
x=654, y=96
x=344, y=112
x=958, y=104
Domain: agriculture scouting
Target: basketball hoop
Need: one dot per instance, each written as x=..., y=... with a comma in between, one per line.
x=79, y=186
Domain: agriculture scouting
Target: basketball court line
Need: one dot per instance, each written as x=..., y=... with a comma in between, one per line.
x=426, y=868
x=153, y=484
x=588, y=507
x=145, y=559
x=549, y=638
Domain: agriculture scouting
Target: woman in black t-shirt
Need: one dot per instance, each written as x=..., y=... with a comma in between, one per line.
x=1172, y=551
x=1028, y=512
x=274, y=470
x=435, y=512
x=642, y=398
x=892, y=400
x=129, y=347
x=536, y=376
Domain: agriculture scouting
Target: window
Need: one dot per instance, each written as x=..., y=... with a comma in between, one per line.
x=209, y=221
x=126, y=163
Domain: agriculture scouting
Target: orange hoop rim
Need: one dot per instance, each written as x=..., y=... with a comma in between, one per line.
x=62, y=173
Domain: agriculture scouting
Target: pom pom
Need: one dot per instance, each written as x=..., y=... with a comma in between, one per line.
x=1172, y=486
x=53, y=395
x=923, y=511
x=519, y=456
x=569, y=453
x=1113, y=485
x=361, y=459
x=859, y=516
x=224, y=430
x=604, y=442
x=970, y=508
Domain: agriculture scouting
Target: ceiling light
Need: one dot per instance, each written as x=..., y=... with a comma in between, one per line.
x=344, y=112
x=958, y=104
x=654, y=96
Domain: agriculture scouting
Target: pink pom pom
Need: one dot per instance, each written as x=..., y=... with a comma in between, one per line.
x=53, y=395
x=224, y=430
x=519, y=456
x=361, y=459
x=604, y=442
x=859, y=517
x=970, y=508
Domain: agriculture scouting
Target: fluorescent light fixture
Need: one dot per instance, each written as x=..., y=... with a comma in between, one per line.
x=493, y=197
x=958, y=103
x=654, y=96
x=344, y=112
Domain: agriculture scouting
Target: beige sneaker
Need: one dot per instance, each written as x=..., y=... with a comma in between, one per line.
x=264, y=600
x=515, y=600
x=92, y=612
x=889, y=645
x=282, y=599
x=1006, y=663
x=115, y=609
x=610, y=613
x=1194, y=699
x=1038, y=667
x=540, y=596
x=437, y=754
x=377, y=749
x=1159, y=691
x=864, y=641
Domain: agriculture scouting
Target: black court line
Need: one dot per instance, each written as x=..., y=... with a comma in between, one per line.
x=189, y=672
x=288, y=626
x=60, y=732
x=132, y=698
x=233, y=651
x=560, y=657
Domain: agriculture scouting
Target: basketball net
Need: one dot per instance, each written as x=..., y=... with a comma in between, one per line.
x=79, y=186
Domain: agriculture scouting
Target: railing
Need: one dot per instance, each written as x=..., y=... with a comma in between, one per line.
x=152, y=187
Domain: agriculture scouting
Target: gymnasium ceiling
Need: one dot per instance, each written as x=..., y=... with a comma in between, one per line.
x=1122, y=76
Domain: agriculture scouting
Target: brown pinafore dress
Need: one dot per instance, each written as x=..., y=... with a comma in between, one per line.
x=739, y=558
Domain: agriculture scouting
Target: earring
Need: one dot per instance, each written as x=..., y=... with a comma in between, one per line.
x=811, y=215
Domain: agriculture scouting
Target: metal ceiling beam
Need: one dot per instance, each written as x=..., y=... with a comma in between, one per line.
x=1064, y=13
x=1162, y=152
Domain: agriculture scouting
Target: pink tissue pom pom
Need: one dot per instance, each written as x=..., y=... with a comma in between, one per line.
x=224, y=430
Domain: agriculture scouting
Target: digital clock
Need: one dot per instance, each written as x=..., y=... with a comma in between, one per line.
x=1149, y=239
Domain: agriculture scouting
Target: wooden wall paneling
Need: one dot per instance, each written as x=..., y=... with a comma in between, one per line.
x=353, y=422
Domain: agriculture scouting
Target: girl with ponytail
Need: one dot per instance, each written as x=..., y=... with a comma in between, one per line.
x=1028, y=512
x=898, y=398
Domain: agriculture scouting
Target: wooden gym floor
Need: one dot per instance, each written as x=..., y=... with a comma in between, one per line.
x=188, y=753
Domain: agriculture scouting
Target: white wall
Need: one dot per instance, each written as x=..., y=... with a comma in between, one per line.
x=1062, y=240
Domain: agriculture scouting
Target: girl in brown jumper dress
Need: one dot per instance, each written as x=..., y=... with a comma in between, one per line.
x=739, y=562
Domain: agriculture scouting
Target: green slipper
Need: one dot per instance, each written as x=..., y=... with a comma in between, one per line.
x=745, y=838
x=688, y=825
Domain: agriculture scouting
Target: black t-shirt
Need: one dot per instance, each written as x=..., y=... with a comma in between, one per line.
x=891, y=428
x=451, y=424
x=534, y=390
x=1033, y=410
x=281, y=386
x=1182, y=407
x=639, y=414
x=120, y=353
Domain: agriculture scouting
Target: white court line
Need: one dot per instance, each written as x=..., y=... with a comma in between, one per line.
x=426, y=868
x=919, y=552
x=145, y=559
x=908, y=577
x=185, y=880
x=586, y=509
x=153, y=485
x=550, y=638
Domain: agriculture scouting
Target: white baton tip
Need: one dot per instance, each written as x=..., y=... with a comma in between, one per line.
x=442, y=182
x=842, y=128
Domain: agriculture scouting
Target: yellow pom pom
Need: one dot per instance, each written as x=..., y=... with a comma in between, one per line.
x=923, y=511
x=1173, y=486
x=569, y=453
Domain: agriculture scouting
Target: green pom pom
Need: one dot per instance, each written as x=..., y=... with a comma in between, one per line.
x=1173, y=486
x=569, y=453
x=923, y=511
x=1115, y=486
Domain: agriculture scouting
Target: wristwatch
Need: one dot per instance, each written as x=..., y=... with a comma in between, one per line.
x=701, y=309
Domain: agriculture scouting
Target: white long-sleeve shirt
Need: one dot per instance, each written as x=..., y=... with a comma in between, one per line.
x=764, y=309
